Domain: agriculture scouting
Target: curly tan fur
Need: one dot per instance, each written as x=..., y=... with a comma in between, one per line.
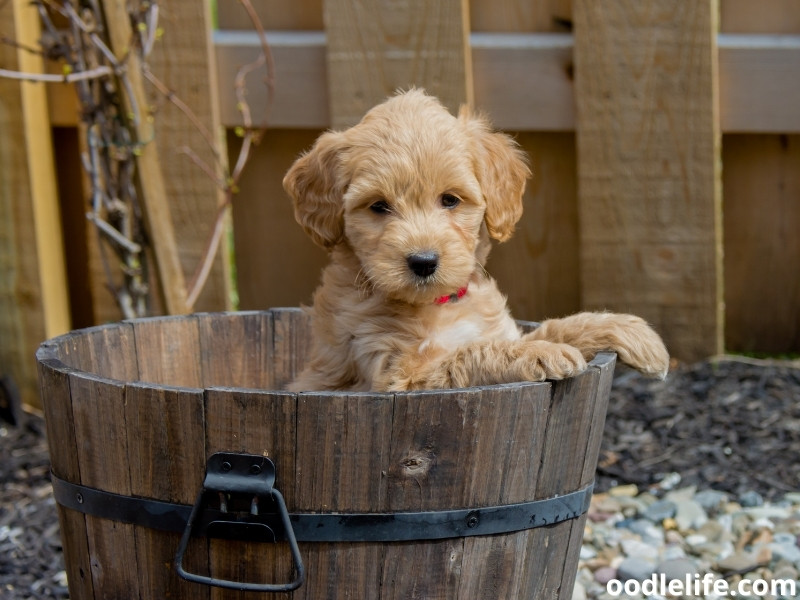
x=412, y=179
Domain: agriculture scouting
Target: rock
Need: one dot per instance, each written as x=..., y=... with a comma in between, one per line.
x=783, y=572
x=686, y=493
x=669, y=524
x=762, y=523
x=649, y=533
x=603, y=503
x=587, y=552
x=627, y=491
x=660, y=510
x=579, y=592
x=695, y=540
x=784, y=539
x=677, y=568
x=742, y=562
x=710, y=500
x=773, y=513
x=792, y=498
x=715, y=531
x=638, y=549
x=672, y=536
x=672, y=552
x=635, y=568
x=689, y=515
x=605, y=574
x=789, y=552
x=750, y=499
x=670, y=481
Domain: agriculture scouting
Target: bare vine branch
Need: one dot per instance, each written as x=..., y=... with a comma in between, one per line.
x=101, y=81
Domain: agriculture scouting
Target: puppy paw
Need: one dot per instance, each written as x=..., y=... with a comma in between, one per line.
x=642, y=348
x=634, y=341
x=540, y=359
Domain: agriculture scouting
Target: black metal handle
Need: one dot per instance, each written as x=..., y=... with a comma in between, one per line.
x=253, y=476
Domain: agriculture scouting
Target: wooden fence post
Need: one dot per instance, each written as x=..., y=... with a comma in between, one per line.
x=34, y=303
x=374, y=48
x=649, y=166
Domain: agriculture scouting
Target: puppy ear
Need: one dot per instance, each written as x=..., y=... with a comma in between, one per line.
x=316, y=184
x=502, y=169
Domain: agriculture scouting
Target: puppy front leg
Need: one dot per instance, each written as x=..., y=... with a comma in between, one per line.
x=636, y=343
x=483, y=363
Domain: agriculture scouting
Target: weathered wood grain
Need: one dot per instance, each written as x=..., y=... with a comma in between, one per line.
x=168, y=351
x=57, y=404
x=23, y=305
x=761, y=180
x=166, y=461
x=375, y=48
x=648, y=167
x=185, y=61
x=236, y=349
x=100, y=431
x=253, y=422
x=509, y=439
x=342, y=457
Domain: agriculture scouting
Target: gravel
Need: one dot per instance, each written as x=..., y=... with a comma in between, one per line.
x=697, y=474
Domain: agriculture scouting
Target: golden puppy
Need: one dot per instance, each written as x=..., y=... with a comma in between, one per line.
x=405, y=203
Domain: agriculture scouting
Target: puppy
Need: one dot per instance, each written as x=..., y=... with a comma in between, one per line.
x=405, y=203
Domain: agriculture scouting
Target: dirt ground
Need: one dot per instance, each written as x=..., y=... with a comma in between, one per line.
x=732, y=426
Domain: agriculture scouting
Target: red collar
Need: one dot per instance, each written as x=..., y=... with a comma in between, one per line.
x=452, y=297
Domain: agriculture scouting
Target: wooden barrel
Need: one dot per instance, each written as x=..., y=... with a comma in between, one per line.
x=134, y=410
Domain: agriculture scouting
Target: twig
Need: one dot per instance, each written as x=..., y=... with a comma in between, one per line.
x=96, y=73
x=201, y=276
x=113, y=234
x=183, y=107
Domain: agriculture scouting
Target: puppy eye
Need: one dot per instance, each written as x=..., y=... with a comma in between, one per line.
x=381, y=207
x=450, y=200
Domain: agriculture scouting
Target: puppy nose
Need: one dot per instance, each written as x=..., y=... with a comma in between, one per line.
x=423, y=264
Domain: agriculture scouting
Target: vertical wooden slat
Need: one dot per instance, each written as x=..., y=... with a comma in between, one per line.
x=342, y=457
x=762, y=248
x=63, y=444
x=568, y=425
x=253, y=422
x=432, y=458
x=596, y=414
x=374, y=48
x=648, y=166
x=42, y=176
x=509, y=445
x=236, y=349
x=166, y=459
x=33, y=296
x=520, y=16
x=153, y=200
x=539, y=267
x=184, y=60
x=100, y=430
x=290, y=343
x=276, y=15
x=168, y=351
x=263, y=219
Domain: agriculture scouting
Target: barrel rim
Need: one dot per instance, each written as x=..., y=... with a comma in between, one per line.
x=46, y=355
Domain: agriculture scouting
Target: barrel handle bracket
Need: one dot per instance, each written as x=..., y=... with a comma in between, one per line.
x=239, y=486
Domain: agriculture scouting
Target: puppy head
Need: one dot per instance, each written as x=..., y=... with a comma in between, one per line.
x=413, y=191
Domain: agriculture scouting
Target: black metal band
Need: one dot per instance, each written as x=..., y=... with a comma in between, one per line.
x=336, y=527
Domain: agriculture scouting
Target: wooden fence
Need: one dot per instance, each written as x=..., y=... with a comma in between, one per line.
x=664, y=137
